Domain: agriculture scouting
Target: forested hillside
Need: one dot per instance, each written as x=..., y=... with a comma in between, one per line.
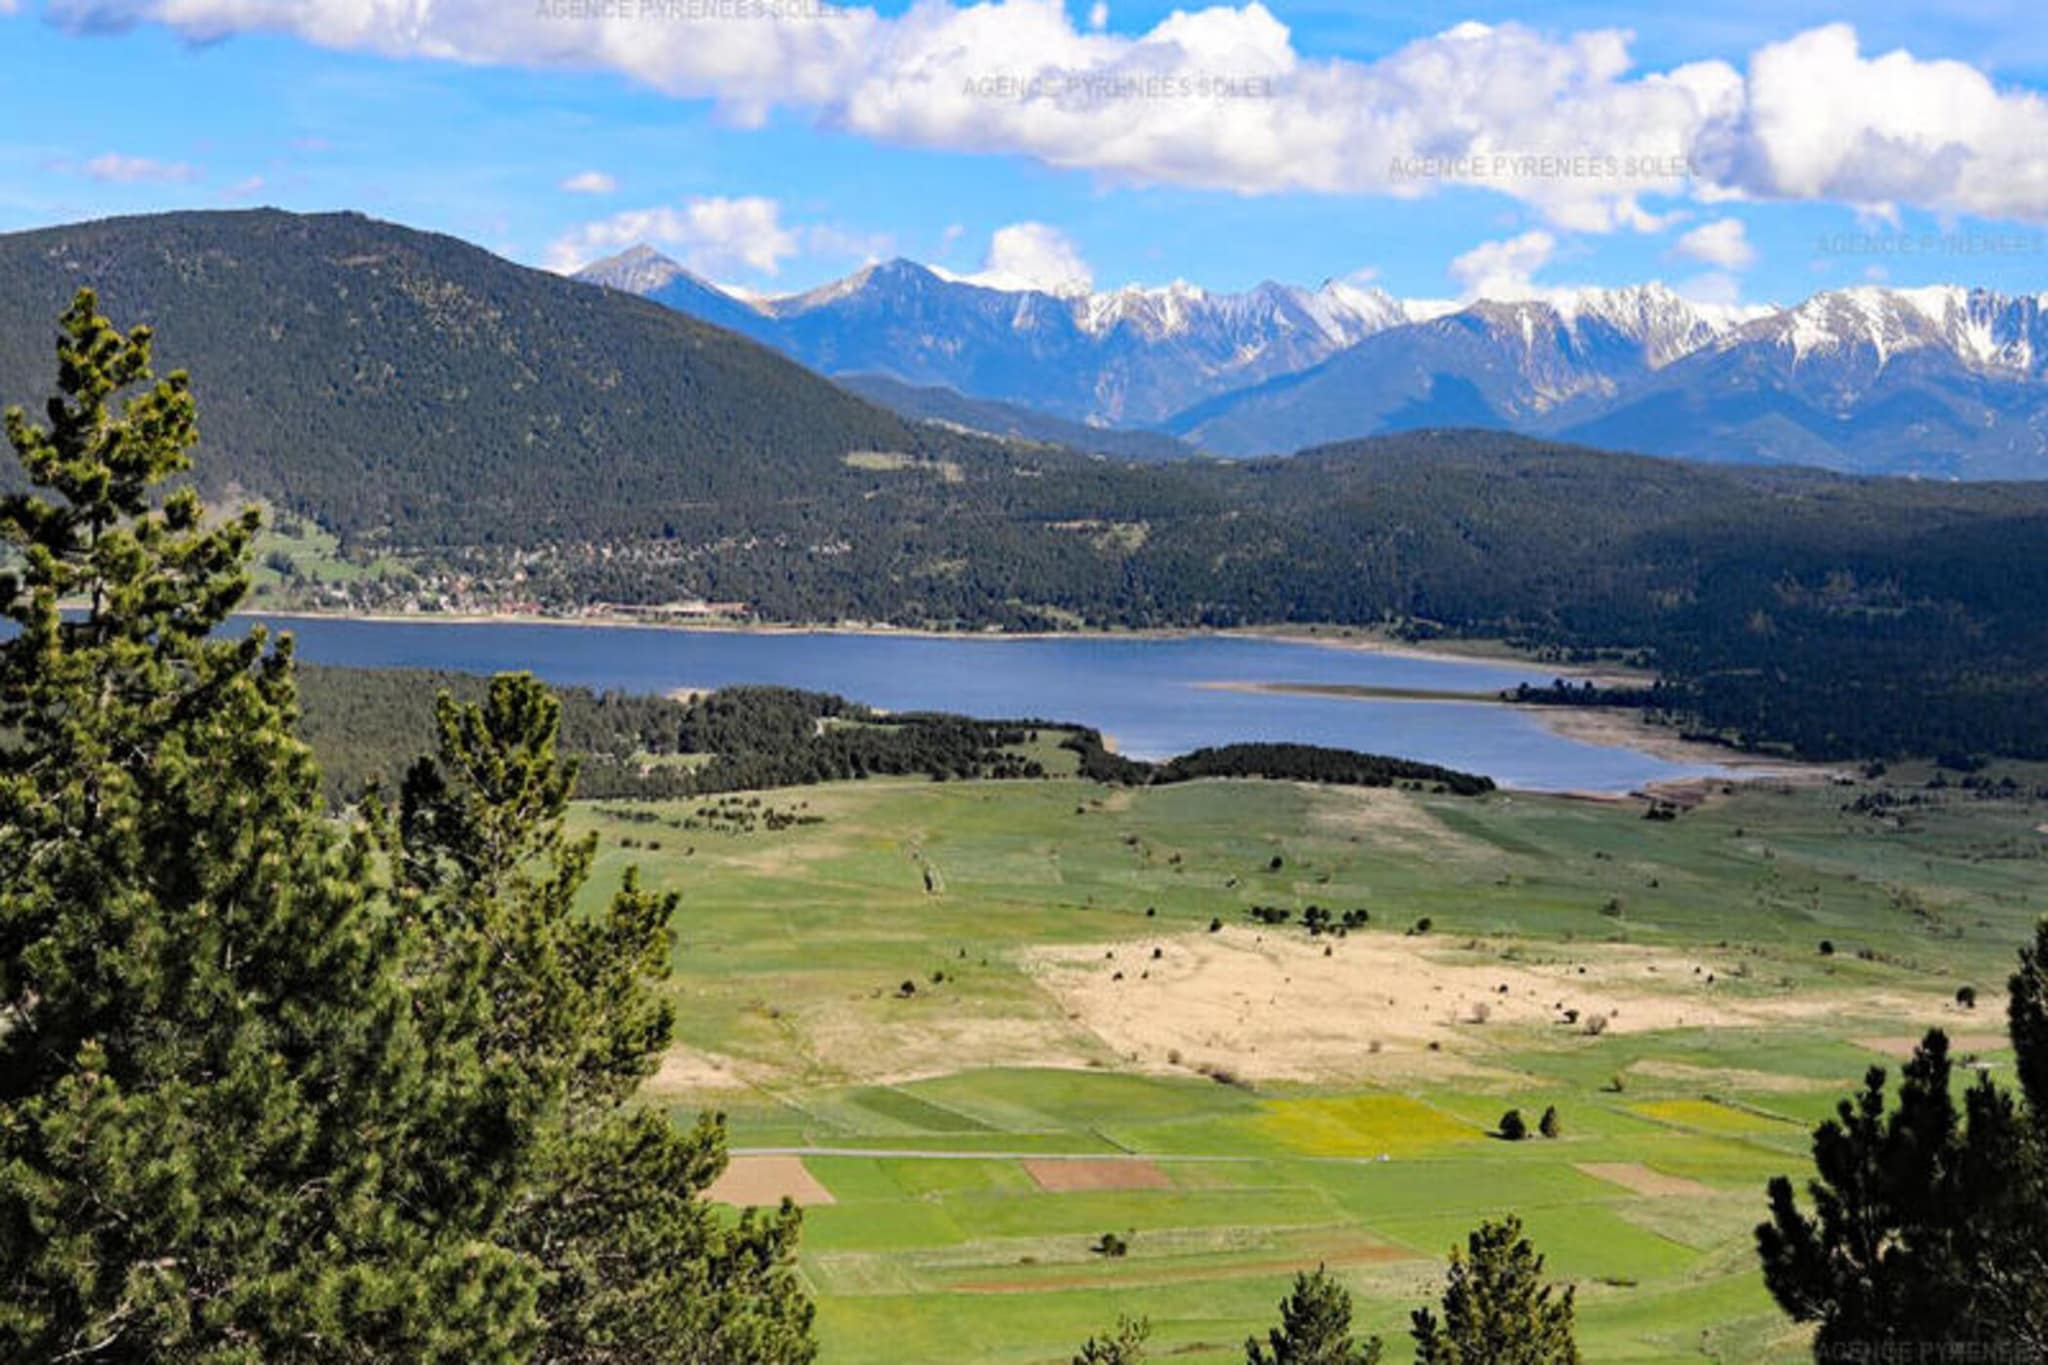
x=410, y=387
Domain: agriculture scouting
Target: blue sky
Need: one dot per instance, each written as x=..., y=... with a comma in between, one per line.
x=761, y=181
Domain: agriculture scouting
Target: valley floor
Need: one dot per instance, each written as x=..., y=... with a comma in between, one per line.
x=974, y=1026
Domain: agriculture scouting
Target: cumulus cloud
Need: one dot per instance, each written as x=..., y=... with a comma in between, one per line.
x=590, y=182
x=1221, y=98
x=1723, y=243
x=712, y=236
x=1821, y=121
x=1502, y=270
x=113, y=168
x=1033, y=256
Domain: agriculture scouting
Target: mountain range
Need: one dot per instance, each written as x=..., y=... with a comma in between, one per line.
x=1941, y=382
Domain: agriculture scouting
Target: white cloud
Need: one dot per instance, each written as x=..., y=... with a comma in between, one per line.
x=1502, y=270
x=1822, y=121
x=590, y=182
x=1723, y=243
x=115, y=169
x=830, y=241
x=1098, y=16
x=1033, y=256
x=714, y=237
x=1713, y=287
x=1221, y=98
x=246, y=188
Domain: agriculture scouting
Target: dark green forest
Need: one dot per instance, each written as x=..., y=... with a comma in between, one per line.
x=532, y=441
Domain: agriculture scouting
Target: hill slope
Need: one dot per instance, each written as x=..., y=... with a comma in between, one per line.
x=399, y=381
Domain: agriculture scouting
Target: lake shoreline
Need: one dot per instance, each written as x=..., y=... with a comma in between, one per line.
x=1473, y=650
x=1150, y=689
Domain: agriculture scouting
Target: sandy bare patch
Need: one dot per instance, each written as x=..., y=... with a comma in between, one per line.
x=1065, y=1177
x=754, y=1181
x=1635, y=1176
x=685, y=1070
x=1959, y=1044
x=1271, y=1006
x=894, y=1042
x=1619, y=728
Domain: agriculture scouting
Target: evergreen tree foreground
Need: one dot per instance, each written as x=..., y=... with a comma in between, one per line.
x=281, y=1087
x=1928, y=1237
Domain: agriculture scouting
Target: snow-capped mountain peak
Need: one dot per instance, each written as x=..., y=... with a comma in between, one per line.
x=636, y=270
x=1979, y=328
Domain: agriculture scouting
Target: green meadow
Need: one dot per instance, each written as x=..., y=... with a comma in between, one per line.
x=995, y=1021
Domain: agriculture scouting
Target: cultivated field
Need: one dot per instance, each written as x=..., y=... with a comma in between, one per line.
x=991, y=1022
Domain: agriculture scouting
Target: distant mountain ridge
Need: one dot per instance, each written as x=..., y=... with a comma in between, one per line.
x=1942, y=382
x=1130, y=357
x=992, y=417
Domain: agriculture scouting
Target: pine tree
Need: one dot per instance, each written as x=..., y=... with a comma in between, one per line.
x=1496, y=1308
x=1315, y=1328
x=278, y=1089
x=545, y=1021
x=1929, y=1228
x=207, y=1065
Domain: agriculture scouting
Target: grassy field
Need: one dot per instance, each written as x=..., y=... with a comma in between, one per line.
x=943, y=996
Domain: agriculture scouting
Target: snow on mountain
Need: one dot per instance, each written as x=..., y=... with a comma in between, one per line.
x=1941, y=379
x=1985, y=330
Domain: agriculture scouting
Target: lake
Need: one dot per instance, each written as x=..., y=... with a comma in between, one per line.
x=1148, y=694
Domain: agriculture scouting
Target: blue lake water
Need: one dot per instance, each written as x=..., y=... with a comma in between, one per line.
x=1147, y=694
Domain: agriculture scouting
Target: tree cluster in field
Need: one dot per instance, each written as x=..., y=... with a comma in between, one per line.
x=1317, y=919
x=604, y=449
x=1515, y=1128
x=1278, y=762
